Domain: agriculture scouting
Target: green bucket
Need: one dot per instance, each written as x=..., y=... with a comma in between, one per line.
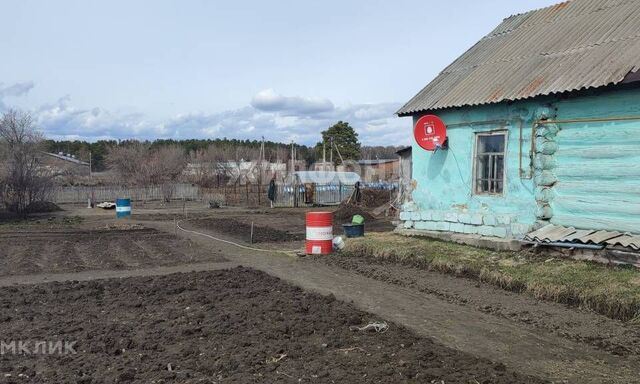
x=357, y=219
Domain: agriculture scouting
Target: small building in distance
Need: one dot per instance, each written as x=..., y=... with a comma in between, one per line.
x=379, y=170
x=323, y=166
x=63, y=165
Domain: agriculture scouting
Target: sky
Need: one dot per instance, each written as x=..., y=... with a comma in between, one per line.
x=282, y=69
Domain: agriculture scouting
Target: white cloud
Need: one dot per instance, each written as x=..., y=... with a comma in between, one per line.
x=269, y=100
x=62, y=118
x=276, y=117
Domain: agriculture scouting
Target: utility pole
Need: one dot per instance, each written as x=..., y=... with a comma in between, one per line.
x=260, y=164
x=295, y=156
x=90, y=164
x=277, y=170
x=331, y=151
x=341, y=159
x=324, y=156
x=293, y=167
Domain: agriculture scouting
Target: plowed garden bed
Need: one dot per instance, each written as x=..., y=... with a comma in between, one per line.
x=35, y=250
x=232, y=326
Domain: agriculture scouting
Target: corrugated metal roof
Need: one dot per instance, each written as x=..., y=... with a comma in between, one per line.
x=578, y=44
x=324, y=177
x=67, y=158
x=557, y=233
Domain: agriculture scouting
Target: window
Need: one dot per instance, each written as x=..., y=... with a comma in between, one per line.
x=489, y=163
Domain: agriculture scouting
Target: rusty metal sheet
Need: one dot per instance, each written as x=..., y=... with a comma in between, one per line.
x=523, y=57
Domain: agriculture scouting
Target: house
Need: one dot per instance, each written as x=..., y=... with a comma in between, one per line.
x=323, y=166
x=322, y=178
x=377, y=170
x=240, y=172
x=535, y=127
x=61, y=164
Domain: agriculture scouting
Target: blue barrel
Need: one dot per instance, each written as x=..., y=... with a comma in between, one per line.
x=123, y=208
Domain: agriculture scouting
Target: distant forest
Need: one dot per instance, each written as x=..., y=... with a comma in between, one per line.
x=273, y=151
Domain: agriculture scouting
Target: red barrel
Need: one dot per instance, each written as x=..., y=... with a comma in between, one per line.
x=319, y=233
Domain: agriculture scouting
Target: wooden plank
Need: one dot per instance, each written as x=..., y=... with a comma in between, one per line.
x=597, y=170
x=599, y=222
x=589, y=185
x=618, y=151
x=593, y=206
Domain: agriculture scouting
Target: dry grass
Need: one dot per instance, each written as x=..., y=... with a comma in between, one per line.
x=611, y=291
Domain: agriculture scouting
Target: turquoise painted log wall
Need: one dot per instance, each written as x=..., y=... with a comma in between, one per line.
x=585, y=175
x=598, y=163
x=444, y=178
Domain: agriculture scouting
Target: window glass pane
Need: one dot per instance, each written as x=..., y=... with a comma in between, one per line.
x=482, y=186
x=493, y=143
x=490, y=163
x=499, y=167
x=483, y=167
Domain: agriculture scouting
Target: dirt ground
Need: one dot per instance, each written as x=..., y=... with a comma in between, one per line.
x=281, y=224
x=242, y=230
x=232, y=326
x=601, y=332
x=80, y=246
x=529, y=336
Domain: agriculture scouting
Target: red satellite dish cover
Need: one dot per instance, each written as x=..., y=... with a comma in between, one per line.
x=430, y=132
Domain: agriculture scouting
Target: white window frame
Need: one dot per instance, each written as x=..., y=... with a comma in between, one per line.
x=502, y=132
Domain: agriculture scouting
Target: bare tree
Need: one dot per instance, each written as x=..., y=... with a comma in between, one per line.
x=128, y=162
x=242, y=166
x=23, y=180
x=210, y=165
x=237, y=164
x=165, y=166
x=137, y=164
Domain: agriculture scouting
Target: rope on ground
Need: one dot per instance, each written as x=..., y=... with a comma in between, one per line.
x=286, y=252
x=378, y=327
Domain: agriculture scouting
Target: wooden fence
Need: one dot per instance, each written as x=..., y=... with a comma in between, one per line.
x=80, y=194
x=248, y=195
x=235, y=195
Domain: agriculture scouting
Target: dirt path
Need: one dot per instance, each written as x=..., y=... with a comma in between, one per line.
x=613, y=336
x=532, y=351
